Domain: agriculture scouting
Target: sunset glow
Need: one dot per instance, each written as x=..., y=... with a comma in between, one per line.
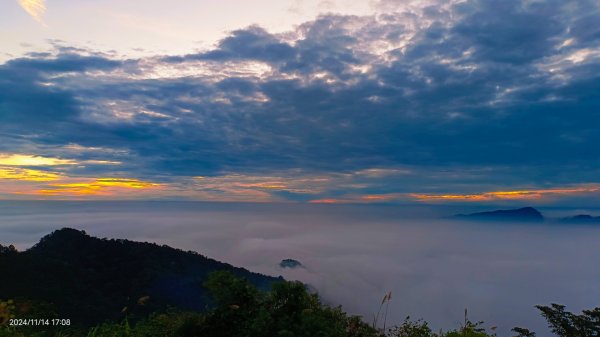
x=327, y=201
x=507, y=195
x=26, y=175
x=30, y=160
x=103, y=187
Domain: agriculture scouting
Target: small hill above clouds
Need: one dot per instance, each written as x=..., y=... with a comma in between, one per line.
x=91, y=280
x=525, y=214
x=290, y=263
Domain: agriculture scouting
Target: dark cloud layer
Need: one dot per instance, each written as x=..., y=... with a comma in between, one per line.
x=499, y=86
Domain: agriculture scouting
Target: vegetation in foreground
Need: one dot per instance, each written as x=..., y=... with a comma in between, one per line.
x=114, y=288
x=287, y=310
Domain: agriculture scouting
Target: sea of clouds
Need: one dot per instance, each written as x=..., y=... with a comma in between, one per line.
x=353, y=254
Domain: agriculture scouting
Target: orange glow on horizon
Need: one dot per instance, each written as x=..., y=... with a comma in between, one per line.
x=505, y=195
x=110, y=182
x=376, y=197
x=21, y=174
x=97, y=187
x=266, y=185
x=326, y=201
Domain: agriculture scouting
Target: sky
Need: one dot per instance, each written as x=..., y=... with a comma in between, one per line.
x=380, y=101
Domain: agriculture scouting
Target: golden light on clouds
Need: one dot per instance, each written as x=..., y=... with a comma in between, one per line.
x=13, y=173
x=33, y=160
x=377, y=197
x=30, y=160
x=102, y=162
x=35, y=8
x=264, y=188
x=327, y=201
x=33, y=183
x=507, y=195
x=532, y=194
x=98, y=186
x=265, y=185
x=289, y=181
x=361, y=199
x=47, y=177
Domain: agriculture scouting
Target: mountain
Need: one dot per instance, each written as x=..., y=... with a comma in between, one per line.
x=581, y=218
x=290, y=263
x=90, y=280
x=525, y=214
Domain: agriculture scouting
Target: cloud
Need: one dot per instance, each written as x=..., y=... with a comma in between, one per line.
x=354, y=254
x=27, y=174
x=73, y=187
x=251, y=43
x=30, y=160
x=435, y=98
x=35, y=8
x=97, y=187
x=326, y=201
x=509, y=195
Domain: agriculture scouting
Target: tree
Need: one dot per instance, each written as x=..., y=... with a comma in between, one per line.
x=566, y=324
x=523, y=332
x=410, y=328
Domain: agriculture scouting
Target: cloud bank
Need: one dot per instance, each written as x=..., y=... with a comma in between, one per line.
x=353, y=255
x=456, y=98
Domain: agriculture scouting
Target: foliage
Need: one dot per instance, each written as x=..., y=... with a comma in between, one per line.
x=7, y=309
x=567, y=324
x=420, y=328
x=240, y=309
x=287, y=310
x=410, y=328
x=470, y=329
x=86, y=277
x=522, y=332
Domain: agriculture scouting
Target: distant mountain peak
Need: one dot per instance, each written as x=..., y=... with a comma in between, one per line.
x=528, y=214
x=290, y=263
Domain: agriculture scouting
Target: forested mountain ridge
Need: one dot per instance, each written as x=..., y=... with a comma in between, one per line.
x=91, y=280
